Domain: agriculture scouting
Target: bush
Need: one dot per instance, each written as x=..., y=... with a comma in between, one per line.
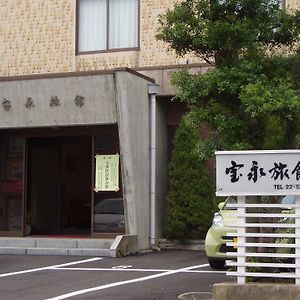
x=189, y=200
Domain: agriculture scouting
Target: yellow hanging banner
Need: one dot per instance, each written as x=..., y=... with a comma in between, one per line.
x=107, y=173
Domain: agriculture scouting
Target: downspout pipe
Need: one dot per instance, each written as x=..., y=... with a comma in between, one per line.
x=153, y=90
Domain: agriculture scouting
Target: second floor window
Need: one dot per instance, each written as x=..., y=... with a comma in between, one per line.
x=107, y=25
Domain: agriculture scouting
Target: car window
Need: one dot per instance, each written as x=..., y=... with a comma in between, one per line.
x=230, y=200
x=289, y=199
x=110, y=206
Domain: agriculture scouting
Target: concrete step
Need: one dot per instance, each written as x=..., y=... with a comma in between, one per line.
x=54, y=251
x=55, y=246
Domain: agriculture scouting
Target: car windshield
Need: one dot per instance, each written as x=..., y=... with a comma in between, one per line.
x=110, y=206
x=286, y=200
x=230, y=200
x=289, y=199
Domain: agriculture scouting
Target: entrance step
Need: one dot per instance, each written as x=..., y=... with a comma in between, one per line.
x=56, y=246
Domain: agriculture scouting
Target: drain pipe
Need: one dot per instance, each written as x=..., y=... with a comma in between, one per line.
x=153, y=91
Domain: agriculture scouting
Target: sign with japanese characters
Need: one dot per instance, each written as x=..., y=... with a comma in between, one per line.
x=269, y=172
x=107, y=173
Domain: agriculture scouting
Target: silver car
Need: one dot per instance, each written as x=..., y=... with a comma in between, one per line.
x=109, y=216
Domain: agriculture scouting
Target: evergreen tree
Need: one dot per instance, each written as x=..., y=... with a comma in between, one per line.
x=251, y=98
x=189, y=200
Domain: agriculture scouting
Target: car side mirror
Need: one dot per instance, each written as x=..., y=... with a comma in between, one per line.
x=221, y=205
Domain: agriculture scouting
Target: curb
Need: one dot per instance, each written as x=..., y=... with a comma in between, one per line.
x=197, y=245
x=196, y=296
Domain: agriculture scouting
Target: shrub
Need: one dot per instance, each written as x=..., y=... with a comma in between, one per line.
x=189, y=200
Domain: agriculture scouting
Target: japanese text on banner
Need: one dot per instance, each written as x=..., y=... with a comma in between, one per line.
x=107, y=173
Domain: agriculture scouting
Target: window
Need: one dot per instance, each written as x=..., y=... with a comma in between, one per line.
x=107, y=25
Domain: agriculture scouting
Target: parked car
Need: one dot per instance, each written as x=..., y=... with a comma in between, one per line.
x=109, y=216
x=219, y=233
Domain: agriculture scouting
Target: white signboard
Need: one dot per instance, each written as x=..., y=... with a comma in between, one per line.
x=274, y=172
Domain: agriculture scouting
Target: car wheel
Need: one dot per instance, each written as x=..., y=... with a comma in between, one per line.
x=216, y=263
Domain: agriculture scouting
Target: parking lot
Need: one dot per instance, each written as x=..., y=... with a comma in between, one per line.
x=156, y=275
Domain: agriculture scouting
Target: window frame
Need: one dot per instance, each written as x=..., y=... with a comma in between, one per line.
x=107, y=50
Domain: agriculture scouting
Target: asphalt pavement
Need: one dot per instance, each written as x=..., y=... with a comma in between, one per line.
x=156, y=276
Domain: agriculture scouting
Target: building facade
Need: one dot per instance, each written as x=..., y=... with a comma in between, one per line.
x=79, y=78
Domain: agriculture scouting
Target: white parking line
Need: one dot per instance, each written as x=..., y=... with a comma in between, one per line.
x=50, y=267
x=138, y=270
x=122, y=267
x=111, y=285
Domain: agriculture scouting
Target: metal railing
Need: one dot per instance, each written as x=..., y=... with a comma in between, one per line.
x=268, y=243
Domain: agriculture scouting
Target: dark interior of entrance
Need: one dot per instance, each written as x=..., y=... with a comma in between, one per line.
x=59, y=185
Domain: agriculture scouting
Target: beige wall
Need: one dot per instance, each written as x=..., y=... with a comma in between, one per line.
x=293, y=3
x=38, y=36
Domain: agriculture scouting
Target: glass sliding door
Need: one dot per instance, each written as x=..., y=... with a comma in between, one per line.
x=11, y=186
x=108, y=211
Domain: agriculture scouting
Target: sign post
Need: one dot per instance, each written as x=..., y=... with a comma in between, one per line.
x=263, y=173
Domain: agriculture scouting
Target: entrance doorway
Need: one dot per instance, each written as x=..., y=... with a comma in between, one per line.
x=59, y=178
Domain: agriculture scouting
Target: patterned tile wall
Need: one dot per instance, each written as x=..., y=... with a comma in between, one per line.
x=38, y=36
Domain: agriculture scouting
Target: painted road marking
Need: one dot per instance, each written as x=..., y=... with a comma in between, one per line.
x=111, y=285
x=50, y=267
x=137, y=270
x=122, y=267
